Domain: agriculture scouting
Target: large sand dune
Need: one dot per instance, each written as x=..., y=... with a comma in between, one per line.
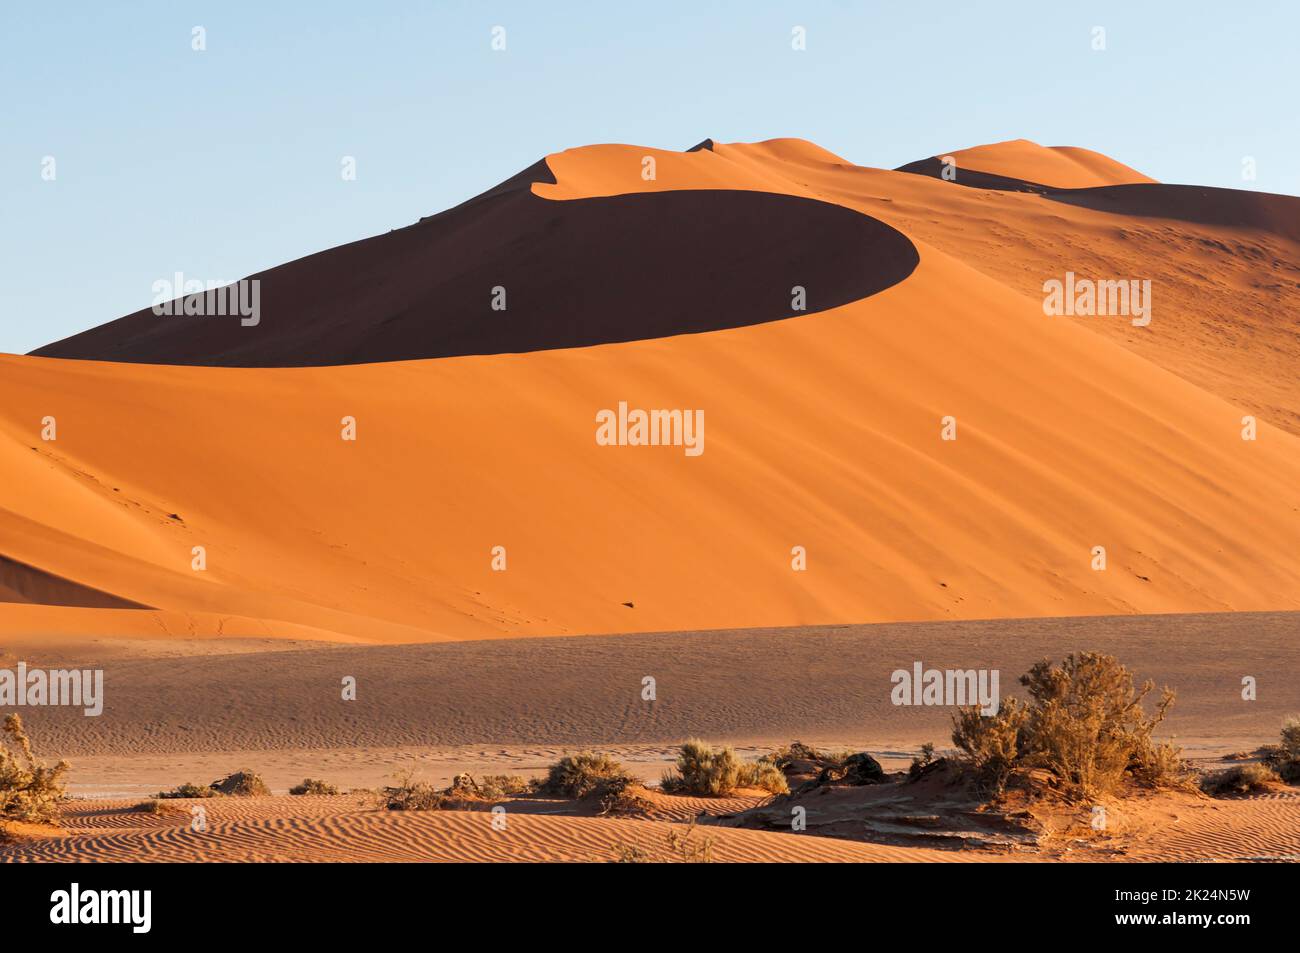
x=823, y=431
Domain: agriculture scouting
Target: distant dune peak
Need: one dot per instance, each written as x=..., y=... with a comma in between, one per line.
x=1025, y=162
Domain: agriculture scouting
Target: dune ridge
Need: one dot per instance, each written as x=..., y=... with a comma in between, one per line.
x=823, y=432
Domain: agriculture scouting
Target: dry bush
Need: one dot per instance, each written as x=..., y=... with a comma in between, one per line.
x=990, y=744
x=314, y=786
x=922, y=761
x=1088, y=727
x=187, y=790
x=703, y=771
x=498, y=787
x=463, y=792
x=767, y=777
x=412, y=795
x=241, y=784
x=1085, y=724
x=30, y=790
x=681, y=848
x=1240, y=779
x=619, y=796
x=579, y=775
x=1284, y=758
x=151, y=806
x=715, y=772
x=797, y=751
x=1291, y=737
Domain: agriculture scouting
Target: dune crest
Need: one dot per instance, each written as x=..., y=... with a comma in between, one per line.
x=825, y=432
x=1060, y=167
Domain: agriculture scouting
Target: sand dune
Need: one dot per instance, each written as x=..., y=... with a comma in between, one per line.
x=571, y=274
x=1019, y=160
x=823, y=431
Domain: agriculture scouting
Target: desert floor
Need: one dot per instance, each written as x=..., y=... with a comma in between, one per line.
x=196, y=710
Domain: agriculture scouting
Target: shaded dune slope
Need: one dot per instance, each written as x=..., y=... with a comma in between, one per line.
x=22, y=583
x=574, y=274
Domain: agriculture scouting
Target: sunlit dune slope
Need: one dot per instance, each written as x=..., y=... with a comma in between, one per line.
x=1061, y=167
x=822, y=432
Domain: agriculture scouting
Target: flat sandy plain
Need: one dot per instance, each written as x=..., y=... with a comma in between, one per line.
x=180, y=710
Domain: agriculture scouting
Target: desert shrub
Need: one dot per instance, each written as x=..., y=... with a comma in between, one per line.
x=241, y=784
x=1291, y=736
x=30, y=790
x=1284, y=758
x=579, y=775
x=703, y=770
x=1085, y=724
x=921, y=761
x=188, y=789
x=313, y=786
x=991, y=745
x=797, y=751
x=682, y=847
x=1239, y=779
x=714, y=772
x=151, y=806
x=768, y=777
x=412, y=795
x=497, y=787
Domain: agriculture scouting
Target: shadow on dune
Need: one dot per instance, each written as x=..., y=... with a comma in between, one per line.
x=575, y=273
x=22, y=583
x=1201, y=205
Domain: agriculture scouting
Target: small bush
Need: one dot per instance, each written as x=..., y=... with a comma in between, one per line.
x=1284, y=758
x=187, y=790
x=412, y=795
x=313, y=786
x=579, y=775
x=1240, y=779
x=1291, y=737
x=716, y=772
x=151, y=806
x=30, y=790
x=921, y=761
x=797, y=751
x=681, y=848
x=498, y=787
x=991, y=744
x=241, y=784
x=701, y=770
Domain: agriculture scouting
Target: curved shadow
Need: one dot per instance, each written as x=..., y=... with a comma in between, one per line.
x=1198, y=204
x=577, y=272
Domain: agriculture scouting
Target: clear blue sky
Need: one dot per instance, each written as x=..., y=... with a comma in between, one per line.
x=224, y=162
